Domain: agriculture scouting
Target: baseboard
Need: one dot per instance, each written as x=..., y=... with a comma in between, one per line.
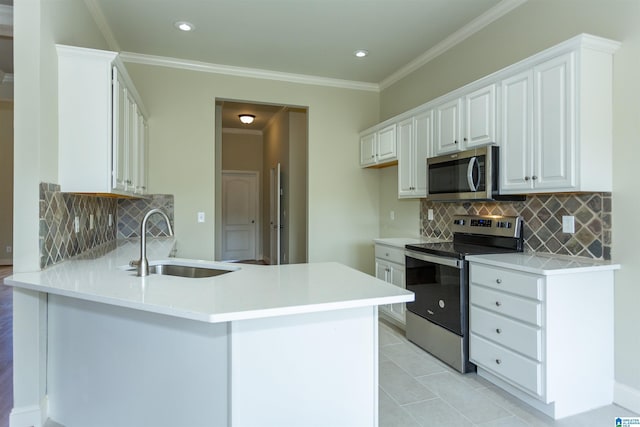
x=627, y=397
x=26, y=416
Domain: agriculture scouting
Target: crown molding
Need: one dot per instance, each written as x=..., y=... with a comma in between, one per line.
x=496, y=12
x=98, y=17
x=139, y=58
x=6, y=21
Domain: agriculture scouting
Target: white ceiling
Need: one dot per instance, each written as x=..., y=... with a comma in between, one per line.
x=308, y=37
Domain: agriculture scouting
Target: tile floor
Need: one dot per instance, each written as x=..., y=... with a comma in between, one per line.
x=418, y=390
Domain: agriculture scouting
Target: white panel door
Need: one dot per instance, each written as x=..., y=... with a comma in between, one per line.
x=239, y=215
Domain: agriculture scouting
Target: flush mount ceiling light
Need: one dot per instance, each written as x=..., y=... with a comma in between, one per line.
x=247, y=119
x=184, y=25
x=361, y=53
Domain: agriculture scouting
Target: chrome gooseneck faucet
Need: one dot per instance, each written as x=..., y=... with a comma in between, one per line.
x=142, y=264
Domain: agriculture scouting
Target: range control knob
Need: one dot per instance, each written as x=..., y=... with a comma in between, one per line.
x=458, y=221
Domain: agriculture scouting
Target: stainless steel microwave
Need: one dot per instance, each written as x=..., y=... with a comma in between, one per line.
x=466, y=175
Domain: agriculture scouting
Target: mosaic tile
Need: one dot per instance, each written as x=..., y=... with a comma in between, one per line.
x=59, y=241
x=542, y=215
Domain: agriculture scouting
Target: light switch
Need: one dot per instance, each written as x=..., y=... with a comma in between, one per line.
x=568, y=224
x=430, y=214
x=200, y=216
x=392, y=215
x=110, y=220
x=90, y=221
x=76, y=224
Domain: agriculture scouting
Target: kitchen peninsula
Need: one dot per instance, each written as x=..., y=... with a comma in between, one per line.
x=260, y=345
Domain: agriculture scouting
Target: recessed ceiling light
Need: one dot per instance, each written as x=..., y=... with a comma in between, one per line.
x=361, y=53
x=184, y=25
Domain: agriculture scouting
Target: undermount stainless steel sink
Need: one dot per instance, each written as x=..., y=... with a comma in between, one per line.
x=190, y=271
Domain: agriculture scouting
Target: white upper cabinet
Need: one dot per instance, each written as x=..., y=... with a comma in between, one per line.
x=556, y=121
x=378, y=146
x=414, y=145
x=100, y=149
x=551, y=115
x=368, y=149
x=480, y=117
x=448, y=127
x=466, y=122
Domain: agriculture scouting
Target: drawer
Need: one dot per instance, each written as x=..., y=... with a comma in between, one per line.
x=527, y=285
x=509, y=333
x=390, y=253
x=521, y=372
x=527, y=310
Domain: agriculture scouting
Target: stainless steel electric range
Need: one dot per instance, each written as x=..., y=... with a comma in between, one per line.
x=438, y=274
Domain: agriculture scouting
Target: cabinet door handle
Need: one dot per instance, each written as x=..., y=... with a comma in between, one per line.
x=465, y=139
x=534, y=177
x=498, y=331
x=526, y=178
x=455, y=142
x=498, y=281
x=498, y=303
x=498, y=361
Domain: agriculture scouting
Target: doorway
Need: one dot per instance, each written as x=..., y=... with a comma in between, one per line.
x=278, y=135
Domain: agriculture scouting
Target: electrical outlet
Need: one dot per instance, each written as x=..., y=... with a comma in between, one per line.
x=200, y=216
x=392, y=215
x=8, y=249
x=430, y=214
x=76, y=224
x=90, y=221
x=568, y=224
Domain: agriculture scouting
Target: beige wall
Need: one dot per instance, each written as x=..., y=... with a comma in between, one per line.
x=276, y=150
x=343, y=201
x=298, y=167
x=242, y=151
x=6, y=181
x=534, y=26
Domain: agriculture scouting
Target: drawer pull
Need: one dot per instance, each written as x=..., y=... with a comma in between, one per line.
x=498, y=331
x=386, y=254
x=430, y=312
x=498, y=303
x=498, y=361
x=498, y=281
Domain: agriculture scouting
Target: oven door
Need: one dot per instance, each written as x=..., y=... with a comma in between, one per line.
x=439, y=284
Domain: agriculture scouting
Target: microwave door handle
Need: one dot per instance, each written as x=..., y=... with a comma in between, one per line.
x=473, y=163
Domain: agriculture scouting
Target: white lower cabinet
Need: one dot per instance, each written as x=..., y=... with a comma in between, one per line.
x=390, y=268
x=547, y=339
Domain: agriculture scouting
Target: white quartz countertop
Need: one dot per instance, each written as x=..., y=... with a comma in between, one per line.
x=545, y=264
x=249, y=292
x=400, y=242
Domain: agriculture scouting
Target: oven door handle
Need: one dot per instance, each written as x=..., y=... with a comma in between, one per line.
x=450, y=262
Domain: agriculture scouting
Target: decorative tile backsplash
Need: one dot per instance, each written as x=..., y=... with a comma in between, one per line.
x=131, y=212
x=542, y=216
x=58, y=239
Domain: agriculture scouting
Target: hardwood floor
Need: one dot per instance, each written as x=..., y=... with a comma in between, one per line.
x=6, y=347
